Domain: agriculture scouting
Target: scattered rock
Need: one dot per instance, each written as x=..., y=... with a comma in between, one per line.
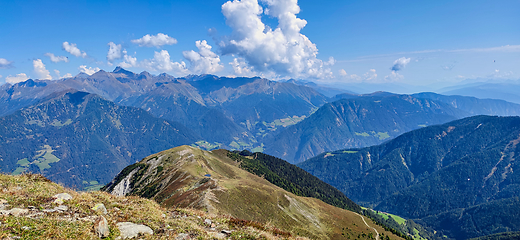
x=88, y=219
x=227, y=232
x=3, y=204
x=61, y=197
x=25, y=228
x=100, y=207
x=207, y=222
x=101, y=227
x=61, y=208
x=219, y=235
x=131, y=230
x=18, y=211
x=36, y=215
x=182, y=236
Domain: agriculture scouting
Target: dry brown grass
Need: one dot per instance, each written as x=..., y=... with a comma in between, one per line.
x=34, y=190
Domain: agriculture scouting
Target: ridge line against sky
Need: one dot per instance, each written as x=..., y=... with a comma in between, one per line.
x=329, y=42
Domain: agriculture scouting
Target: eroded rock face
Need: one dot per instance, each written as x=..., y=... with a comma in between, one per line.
x=124, y=187
x=132, y=230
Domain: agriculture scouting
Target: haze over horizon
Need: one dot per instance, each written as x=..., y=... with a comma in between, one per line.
x=429, y=45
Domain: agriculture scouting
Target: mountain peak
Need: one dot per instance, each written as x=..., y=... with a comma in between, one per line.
x=119, y=69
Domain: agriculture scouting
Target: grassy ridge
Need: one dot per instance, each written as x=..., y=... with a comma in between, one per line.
x=27, y=190
x=292, y=178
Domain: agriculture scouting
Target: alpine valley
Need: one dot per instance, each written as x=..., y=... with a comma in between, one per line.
x=432, y=166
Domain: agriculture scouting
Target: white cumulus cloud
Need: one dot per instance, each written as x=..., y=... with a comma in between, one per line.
x=89, y=71
x=40, y=70
x=342, y=72
x=204, y=61
x=4, y=64
x=241, y=68
x=58, y=76
x=161, y=62
x=16, y=79
x=114, y=51
x=400, y=63
x=155, y=41
x=283, y=50
x=72, y=49
x=56, y=59
x=393, y=76
x=370, y=75
x=128, y=61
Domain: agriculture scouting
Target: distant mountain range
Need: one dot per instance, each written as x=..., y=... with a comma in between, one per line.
x=460, y=178
x=508, y=91
x=369, y=119
x=235, y=113
x=82, y=140
x=291, y=120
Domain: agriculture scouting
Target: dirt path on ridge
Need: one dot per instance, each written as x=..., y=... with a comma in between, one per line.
x=375, y=230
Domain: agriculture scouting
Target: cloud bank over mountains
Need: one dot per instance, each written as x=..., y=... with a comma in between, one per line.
x=256, y=49
x=266, y=38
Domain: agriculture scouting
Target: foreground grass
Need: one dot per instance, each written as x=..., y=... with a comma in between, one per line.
x=35, y=192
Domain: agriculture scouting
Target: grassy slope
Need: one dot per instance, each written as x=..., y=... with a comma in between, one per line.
x=34, y=190
x=243, y=195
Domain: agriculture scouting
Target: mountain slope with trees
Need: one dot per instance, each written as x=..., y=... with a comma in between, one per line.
x=358, y=122
x=79, y=139
x=451, y=177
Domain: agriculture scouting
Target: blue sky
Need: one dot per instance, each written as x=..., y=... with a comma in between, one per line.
x=424, y=43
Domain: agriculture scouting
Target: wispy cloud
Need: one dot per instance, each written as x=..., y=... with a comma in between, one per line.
x=56, y=59
x=506, y=48
x=58, y=76
x=4, y=64
x=158, y=40
x=369, y=76
x=72, y=49
x=89, y=70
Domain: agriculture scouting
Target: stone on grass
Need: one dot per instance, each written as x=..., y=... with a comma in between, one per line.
x=132, y=230
x=101, y=227
x=100, y=207
x=18, y=212
x=182, y=236
x=61, y=208
x=61, y=197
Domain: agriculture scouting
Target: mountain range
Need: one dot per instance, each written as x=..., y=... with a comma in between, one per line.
x=459, y=178
x=80, y=139
x=290, y=120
